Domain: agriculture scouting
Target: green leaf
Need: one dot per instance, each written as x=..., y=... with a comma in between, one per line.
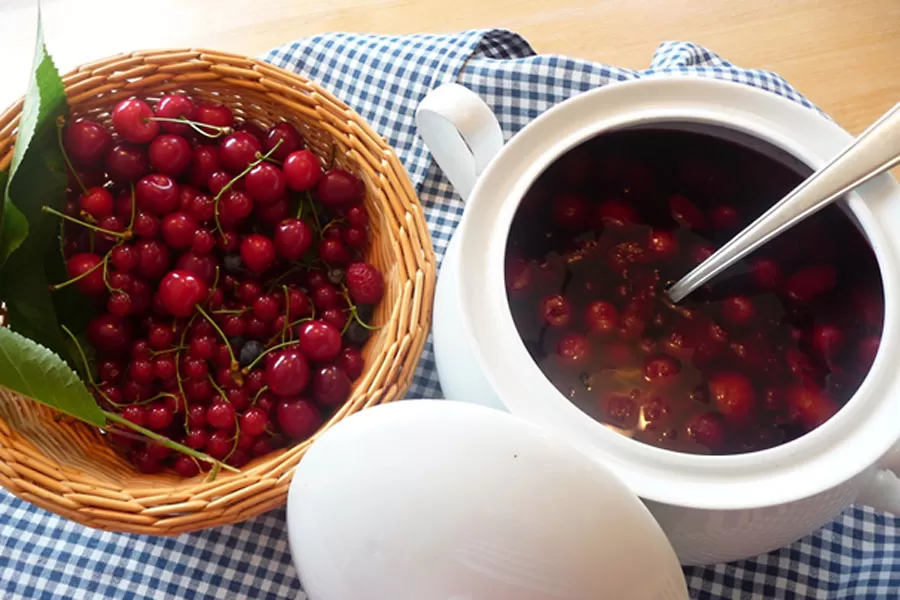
x=37, y=172
x=37, y=177
x=29, y=369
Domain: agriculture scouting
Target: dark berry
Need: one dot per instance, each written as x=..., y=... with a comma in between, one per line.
x=250, y=351
x=330, y=386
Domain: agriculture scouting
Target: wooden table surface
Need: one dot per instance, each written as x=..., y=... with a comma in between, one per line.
x=843, y=54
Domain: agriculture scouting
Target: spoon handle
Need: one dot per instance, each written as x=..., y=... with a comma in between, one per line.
x=875, y=151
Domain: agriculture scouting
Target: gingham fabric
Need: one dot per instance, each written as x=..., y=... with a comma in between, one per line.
x=383, y=78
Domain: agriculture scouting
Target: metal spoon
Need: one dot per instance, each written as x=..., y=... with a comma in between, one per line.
x=875, y=151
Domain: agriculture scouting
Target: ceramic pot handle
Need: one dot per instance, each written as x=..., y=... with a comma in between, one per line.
x=884, y=491
x=461, y=132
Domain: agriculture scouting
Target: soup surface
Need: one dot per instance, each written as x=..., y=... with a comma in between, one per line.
x=765, y=353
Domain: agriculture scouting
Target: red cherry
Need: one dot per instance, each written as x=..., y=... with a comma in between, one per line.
x=555, y=310
x=204, y=162
x=662, y=244
x=330, y=386
x=351, y=361
x=289, y=138
x=518, y=276
x=86, y=141
x=738, y=310
x=319, y=341
x=288, y=373
x=234, y=207
x=365, y=283
x=91, y=284
x=766, y=274
x=302, y=170
x=257, y=253
x=157, y=194
x=221, y=415
x=220, y=444
x=178, y=230
x=109, y=334
x=181, y=292
x=97, y=202
x=601, y=317
x=299, y=306
x=808, y=405
x=869, y=305
x=733, y=395
x=265, y=183
x=254, y=421
x=339, y=189
x=274, y=213
x=357, y=216
x=724, y=217
x=238, y=150
x=826, y=340
x=170, y=154
x=163, y=367
x=807, y=284
x=126, y=163
x=686, y=212
x=217, y=115
x=326, y=296
x=159, y=417
x=621, y=411
x=573, y=349
x=201, y=265
x=175, y=106
x=131, y=119
x=334, y=252
x=298, y=418
x=707, y=429
x=661, y=369
x=186, y=466
x=570, y=211
x=153, y=259
x=615, y=213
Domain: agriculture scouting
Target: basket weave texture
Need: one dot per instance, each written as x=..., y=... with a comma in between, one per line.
x=66, y=466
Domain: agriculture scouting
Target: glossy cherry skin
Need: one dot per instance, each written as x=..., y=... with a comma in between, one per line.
x=288, y=373
x=131, y=119
x=319, y=341
x=86, y=141
x=293, y=239
x=181, y=292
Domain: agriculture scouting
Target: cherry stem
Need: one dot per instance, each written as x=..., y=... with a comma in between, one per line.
x=60, y=124
x=217, y=388
x=167, y=350
x=59, y=286
x=133, y=207
x=55, y=212
x=120, y=420
x=312, y=207
x=84, y=360
x=197, y=126
x=256, y=360
x=259, y=393
x=354, y=314
x=231, y=311
x=234, y=362
x=178, y=364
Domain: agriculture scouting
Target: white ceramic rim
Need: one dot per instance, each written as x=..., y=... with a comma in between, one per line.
x=849, y=443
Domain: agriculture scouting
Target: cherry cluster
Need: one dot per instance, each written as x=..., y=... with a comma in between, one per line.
x=226, y=265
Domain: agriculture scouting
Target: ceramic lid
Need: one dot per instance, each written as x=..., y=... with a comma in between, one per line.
x=436, y=499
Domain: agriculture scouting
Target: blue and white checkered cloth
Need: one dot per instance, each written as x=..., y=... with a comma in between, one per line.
x=384, y=78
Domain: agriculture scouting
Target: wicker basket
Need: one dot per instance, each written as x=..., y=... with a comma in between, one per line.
x=67, y=467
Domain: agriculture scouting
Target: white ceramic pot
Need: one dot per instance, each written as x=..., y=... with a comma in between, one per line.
x=712, y=508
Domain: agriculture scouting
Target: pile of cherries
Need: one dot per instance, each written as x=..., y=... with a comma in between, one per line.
x=764, y=354
x=225, y=264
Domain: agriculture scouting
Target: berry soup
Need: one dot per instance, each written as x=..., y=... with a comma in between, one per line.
x=765, y=353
